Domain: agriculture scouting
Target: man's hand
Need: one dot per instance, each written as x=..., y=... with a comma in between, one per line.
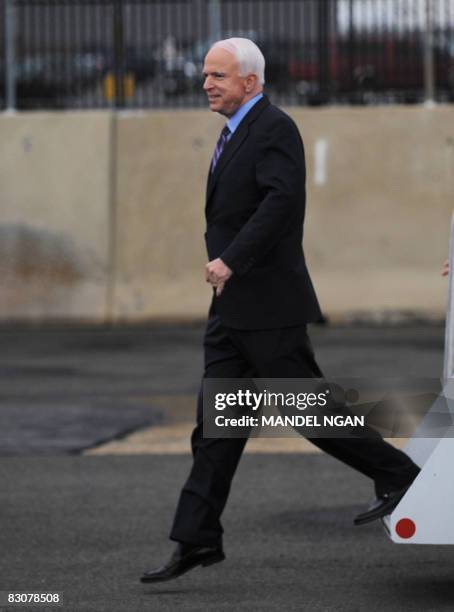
x=445, y=269
x=217, y=274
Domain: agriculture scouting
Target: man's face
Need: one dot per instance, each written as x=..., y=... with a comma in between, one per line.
x=225, y=88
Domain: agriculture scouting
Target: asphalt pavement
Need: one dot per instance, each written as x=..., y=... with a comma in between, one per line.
x=86, y=526
x=65, y=390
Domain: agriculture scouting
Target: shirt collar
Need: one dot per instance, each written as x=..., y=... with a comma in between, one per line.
x=235, y=119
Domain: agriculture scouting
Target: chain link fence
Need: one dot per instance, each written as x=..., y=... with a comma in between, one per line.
x=76, y=54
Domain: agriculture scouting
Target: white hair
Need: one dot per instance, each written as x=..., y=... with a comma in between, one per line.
x=248, y=55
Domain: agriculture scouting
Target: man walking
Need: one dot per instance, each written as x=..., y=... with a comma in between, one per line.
x=263, y=297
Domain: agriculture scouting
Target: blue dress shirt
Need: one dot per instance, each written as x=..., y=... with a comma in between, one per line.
x=236, y=119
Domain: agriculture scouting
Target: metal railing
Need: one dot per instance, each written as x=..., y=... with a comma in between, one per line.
x=149, y=53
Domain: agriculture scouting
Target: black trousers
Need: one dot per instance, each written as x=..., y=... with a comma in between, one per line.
x=272, y=353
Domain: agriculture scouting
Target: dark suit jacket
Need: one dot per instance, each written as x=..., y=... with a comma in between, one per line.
x=255, y=207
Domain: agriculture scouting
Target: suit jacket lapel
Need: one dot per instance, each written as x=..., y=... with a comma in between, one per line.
x=234, y=143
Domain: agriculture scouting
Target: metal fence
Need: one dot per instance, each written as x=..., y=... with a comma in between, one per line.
x=149, y=53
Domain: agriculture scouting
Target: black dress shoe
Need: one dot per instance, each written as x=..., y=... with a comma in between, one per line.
x=380, y=507
x=185, y=558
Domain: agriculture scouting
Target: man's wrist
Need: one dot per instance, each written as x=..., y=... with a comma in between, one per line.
x=227, y=263
x=239, y=268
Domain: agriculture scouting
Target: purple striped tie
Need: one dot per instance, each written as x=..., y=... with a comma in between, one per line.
x=223, y=138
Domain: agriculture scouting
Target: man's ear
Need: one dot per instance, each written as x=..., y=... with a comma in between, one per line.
x=251, y=82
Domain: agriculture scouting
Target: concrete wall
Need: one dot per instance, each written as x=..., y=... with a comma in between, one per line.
x=101, y=217
x=55, y=198
x=378, y=220
x=161, y=176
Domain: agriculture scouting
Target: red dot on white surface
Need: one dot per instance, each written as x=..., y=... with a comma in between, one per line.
x=405, y=528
